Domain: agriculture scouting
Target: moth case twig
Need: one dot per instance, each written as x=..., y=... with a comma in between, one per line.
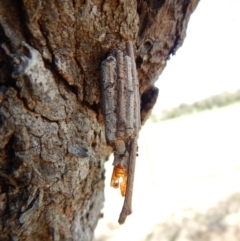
x=121, y=113
x=130, y=97
x=130, y=52
x=108, y=71
x=121, y=102
x=127, y=205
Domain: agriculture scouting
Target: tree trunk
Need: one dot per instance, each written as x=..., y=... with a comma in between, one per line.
x=52, y=138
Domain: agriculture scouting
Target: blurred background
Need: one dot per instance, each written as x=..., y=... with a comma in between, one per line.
x=187, y=184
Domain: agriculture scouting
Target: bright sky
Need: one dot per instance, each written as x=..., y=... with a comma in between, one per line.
x=208, y=62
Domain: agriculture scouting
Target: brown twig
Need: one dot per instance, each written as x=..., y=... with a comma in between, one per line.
x=127, y=205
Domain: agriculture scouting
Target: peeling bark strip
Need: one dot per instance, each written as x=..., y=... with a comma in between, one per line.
x=122, y=119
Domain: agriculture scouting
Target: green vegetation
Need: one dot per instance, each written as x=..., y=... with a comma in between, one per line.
x=215, y=101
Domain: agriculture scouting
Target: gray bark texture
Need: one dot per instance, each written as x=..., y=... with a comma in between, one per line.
x=52, y=132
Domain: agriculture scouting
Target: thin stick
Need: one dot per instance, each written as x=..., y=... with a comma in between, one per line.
x=127, y=205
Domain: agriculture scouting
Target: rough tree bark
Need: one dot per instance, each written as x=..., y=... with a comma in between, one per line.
x=52, y=139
